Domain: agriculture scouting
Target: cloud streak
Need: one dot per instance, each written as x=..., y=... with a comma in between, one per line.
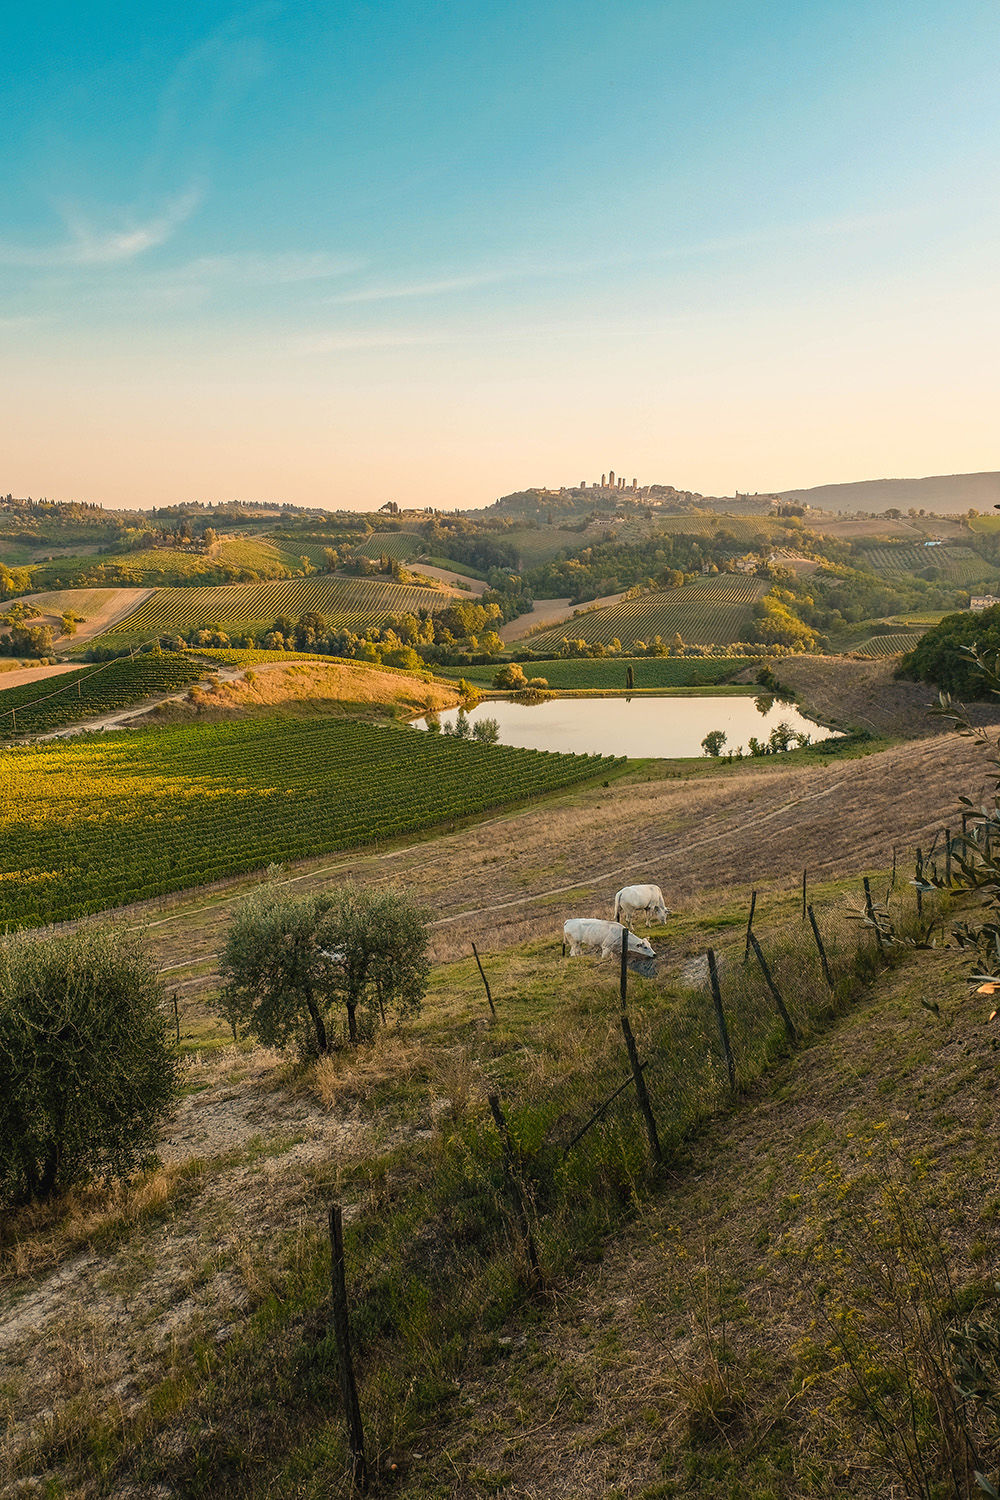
x=90, y=245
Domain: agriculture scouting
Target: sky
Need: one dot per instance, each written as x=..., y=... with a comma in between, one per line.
x=338, y=254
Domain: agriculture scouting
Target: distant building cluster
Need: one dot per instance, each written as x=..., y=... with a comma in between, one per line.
x=980, y=602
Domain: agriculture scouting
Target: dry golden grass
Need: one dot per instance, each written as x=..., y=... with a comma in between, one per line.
x=308, y=688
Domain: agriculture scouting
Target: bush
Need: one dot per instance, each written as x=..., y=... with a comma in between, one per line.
x=86, y=1071
x=510, y=676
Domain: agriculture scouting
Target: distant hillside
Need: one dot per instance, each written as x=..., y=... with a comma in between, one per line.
x=943, y=493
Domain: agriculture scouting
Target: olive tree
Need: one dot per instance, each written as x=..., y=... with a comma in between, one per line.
x=86, y=1069
x=291, y=965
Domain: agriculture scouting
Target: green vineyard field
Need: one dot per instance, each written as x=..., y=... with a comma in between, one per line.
x=609, y=672
x=888, y=645
x=399, y=545
x=252, y=608
x=714, y=610
x=36, y=707
x=89, y=825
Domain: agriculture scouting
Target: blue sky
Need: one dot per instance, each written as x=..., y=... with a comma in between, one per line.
x=336, y=253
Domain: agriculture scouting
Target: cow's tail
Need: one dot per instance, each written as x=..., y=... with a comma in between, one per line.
x=618, y=909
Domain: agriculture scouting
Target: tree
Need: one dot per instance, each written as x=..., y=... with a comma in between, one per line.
x=713, y=742
x=86, y=1070
x=290, y=963
x=510, y=676
x=486, y=731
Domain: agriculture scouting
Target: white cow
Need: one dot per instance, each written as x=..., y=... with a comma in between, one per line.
x=633, y=900
x=591, y=932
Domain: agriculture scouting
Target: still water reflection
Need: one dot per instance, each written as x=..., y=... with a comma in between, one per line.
x=637, y=726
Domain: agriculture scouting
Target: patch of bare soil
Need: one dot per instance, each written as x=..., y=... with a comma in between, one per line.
x=99, y=1326
x=846, y=692
x=21, y=675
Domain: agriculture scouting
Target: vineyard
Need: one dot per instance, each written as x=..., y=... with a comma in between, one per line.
x=609, y=673
x=714, y=610
x=743, y=528
x=399, y=545
x=888, y=645
x=252, y=608
x=91, y=824
x=35, y=708
x=961, y=564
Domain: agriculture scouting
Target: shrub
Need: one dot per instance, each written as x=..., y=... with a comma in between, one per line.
x=510, y=676
x=86, y=1071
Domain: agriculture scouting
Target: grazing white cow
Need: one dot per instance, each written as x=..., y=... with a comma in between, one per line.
x=633, y=900
x=591, y=932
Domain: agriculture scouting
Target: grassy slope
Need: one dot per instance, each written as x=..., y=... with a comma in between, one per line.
x=688, y=1364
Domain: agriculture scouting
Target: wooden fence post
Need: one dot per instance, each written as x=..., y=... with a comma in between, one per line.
x=947, y=857
x=641, y=1091
x=623, y=978
x=489, y=997
x=920, y=876
x=713, y=974
x=348, y=1386
x=870, y=914
x=514, y=1185
x=775, y=995
x=753, y=904
x=822, y=951
x=803, y=895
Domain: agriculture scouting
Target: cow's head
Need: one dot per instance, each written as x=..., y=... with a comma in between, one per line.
x=640, y=946
x=660, y=914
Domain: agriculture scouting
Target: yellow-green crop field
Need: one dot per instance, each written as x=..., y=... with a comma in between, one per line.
x=87, y=825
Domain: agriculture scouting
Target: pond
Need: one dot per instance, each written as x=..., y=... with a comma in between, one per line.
x=640, y=726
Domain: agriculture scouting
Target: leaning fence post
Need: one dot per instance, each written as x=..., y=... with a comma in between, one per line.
x=713, y=974
x=489, y=997
x=822, y=951
x=870, y=914
x=623, y=980
x=753, y=903
x=348, y=1386
x=775, y=995
x=920, y=876
x=641, y=1091
x=514, y=1184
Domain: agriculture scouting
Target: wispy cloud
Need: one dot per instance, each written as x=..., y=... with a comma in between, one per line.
x=91, y=244
x=267, y=268
x=399, y=291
